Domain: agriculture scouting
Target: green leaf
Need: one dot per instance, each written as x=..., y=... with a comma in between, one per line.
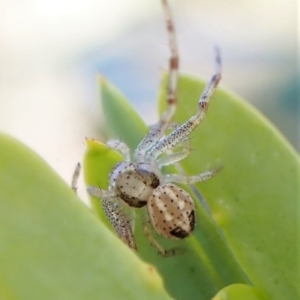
x=52, y=246
x=253, y=200
x=121, y=121
x=255, y=197
x=238, y=292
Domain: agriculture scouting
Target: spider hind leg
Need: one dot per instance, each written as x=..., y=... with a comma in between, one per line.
x=153, y=242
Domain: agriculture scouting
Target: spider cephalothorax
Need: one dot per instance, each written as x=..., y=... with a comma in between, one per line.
x=133, y=183
x=138, y=180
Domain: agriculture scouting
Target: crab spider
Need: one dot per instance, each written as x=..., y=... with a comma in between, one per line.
x=138, y=180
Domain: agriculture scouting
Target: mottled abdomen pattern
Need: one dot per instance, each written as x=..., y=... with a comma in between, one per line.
x=171, y=211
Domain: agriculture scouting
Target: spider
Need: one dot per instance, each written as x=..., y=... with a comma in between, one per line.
x=138, y=180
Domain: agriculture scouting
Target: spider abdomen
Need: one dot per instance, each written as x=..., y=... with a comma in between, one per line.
x=171, y=211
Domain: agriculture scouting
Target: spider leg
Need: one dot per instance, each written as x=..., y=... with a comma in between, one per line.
x=172, y=158
x=121, y=147
x=173, y=65
x=98, y=193
x=119, y=222
x=175, y=178
x=75, y=177
x=185, y=129
x=116, y=217
x=116, y=145
x=156, y=131
x=156, y=245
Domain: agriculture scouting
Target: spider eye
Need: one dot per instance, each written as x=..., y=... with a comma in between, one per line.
x=155, y=183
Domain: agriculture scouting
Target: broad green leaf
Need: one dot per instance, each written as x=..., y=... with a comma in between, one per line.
x=121, y=121
x=51, y=244
x=238, y=292
x=253, y=200
x=255, y=197
x=207, y=265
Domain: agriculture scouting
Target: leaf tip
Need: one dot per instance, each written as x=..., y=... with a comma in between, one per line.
x=92, y=144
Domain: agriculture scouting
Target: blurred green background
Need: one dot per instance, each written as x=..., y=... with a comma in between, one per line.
x=51, y=51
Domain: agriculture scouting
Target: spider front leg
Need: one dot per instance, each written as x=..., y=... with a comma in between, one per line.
x=180, y=133
x=173, y=66
x=157, y=130
x=121, y=147
x=175, y=178
x=173, y=158
x=116, y=145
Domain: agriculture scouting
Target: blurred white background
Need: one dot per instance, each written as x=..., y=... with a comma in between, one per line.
x=50, y=52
